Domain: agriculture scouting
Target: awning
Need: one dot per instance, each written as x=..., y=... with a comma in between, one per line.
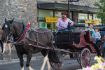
x=62, y=6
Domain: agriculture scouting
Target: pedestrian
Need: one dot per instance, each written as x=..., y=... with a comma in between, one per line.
x=64, y=22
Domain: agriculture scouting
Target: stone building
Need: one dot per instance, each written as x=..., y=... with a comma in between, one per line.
x=14, y=8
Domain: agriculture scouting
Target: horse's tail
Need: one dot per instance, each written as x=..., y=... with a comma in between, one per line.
x=52, y=55
x=54, y=60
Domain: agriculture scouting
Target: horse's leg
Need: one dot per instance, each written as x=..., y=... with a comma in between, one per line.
x=9, y=48
x=4, y=50
x=1, y=45
x=44, y=63
x=29, y=56
x=4, y=47
x=48, y=63
x=21, y=60
x=46, y=60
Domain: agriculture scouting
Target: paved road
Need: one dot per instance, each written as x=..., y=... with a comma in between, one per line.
x=36, y=64
x=13, y=64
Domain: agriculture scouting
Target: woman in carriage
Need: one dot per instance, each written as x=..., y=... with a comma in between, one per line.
x=63, y=23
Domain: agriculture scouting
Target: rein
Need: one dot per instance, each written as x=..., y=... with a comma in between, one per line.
x=41, y=46
x=21, y=37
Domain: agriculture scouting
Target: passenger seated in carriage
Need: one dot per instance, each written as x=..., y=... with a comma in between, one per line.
x=97, y=36
x=92, y=39
x=63, y=23
x=92, y=31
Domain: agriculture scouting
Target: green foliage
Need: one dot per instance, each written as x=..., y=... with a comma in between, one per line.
x=101, y=11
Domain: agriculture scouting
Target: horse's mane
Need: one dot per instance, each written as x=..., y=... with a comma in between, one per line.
x=21, y=26
x=17, y=22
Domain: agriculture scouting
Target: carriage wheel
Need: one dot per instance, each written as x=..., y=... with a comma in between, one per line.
x=85, y=57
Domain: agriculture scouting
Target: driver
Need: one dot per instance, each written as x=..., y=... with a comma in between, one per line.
x=64, y=22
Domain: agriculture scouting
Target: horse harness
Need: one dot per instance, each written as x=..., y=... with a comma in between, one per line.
x=37, y=44
x=24, y=36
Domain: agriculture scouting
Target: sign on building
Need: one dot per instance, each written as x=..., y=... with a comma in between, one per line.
x=51, y=19
x=92, y=21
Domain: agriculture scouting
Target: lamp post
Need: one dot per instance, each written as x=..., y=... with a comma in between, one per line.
x=68, y=9
x=69, y=6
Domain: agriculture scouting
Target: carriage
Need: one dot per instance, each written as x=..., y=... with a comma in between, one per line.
x=77, y=41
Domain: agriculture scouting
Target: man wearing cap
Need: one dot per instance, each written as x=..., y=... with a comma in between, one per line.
x=64, y=22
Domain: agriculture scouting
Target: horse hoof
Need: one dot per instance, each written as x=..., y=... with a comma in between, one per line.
x=30, y=68
x=22, y=68
x=1, y=53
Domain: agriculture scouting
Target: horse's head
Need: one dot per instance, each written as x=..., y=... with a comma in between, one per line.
x=12, y=28
x=7, y=30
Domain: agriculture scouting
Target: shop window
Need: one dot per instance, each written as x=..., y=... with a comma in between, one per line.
x=49, y=26
x=41, y=19
x=80, y=21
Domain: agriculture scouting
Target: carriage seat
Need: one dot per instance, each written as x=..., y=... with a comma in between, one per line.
x=67, y=37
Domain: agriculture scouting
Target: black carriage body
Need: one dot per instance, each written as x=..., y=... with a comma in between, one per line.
x=65, y=39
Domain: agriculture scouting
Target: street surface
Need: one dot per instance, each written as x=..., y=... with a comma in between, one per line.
x=36, y=62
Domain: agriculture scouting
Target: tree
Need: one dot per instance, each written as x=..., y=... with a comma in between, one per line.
x=101, y=11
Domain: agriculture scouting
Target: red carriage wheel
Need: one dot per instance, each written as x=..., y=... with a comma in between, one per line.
x=85, y=57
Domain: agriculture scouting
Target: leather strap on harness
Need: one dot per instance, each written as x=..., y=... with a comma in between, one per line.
x=24, y=33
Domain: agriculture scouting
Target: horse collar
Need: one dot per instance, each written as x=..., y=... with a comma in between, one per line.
x=22, y=31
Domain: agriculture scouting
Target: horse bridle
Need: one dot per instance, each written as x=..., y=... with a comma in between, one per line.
x=9, y=36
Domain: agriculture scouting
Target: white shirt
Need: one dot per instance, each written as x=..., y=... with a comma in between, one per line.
x=97, y=35
x=63, y=24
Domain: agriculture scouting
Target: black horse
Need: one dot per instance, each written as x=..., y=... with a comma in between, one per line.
x=30, y=42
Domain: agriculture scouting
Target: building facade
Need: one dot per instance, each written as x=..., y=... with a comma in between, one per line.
x=37, y=10
x=79, y=11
